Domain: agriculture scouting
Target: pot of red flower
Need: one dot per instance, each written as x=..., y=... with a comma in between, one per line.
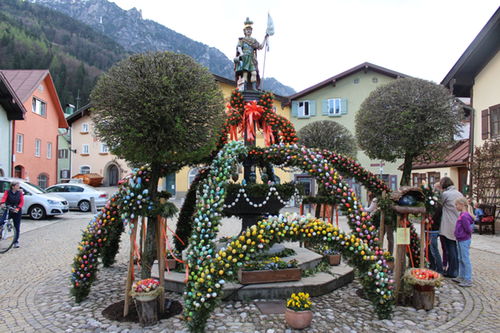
x=424, y=282
x=298, y=314
x=145, y=293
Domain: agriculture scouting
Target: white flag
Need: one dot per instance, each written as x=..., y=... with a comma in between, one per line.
x=270, y=25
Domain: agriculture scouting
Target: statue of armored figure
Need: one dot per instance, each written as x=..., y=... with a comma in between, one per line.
x=245, y=62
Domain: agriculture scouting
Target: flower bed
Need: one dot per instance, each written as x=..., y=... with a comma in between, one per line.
x=269, y=271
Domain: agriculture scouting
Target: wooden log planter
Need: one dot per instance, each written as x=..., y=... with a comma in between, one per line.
x=424, y=282
x=269, y=276
x=423, y=297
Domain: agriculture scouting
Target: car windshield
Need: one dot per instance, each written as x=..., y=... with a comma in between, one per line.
x=33, y=188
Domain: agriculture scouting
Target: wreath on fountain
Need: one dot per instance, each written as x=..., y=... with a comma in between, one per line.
x=126, y=204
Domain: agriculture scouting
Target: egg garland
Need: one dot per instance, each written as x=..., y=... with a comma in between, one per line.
x=101, y=237
x=205, y=283
x=95, y=243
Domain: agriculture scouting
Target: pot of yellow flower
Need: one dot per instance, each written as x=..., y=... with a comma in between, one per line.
x=298, y=314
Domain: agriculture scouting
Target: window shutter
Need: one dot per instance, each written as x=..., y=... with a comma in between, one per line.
x=295, y=109
x=324, y=107
x=343, y=109
x=485, y=130
x=312, y=108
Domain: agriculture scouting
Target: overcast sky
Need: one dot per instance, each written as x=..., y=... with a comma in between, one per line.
x=317, y=39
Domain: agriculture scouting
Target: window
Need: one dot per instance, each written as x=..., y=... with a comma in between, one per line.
x=19, y=143
x=103, y=148
x=433, y=177
x=490, y=122
x=85, y=149
x=39, y=107
x=43, y=180
x=495, y=121
x=192, y=174
x=85, y=128
x=49, y=150
x=418, y=179
x=38, y=147
x=304, y=109
x=356, y=81
x=56, y=189
x=374, y=80
x=84, y=169
x=63, y=153
x=73, y=188
x=334, y=107
x=64, y=174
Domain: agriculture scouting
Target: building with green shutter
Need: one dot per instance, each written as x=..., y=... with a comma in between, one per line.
x=339, y=98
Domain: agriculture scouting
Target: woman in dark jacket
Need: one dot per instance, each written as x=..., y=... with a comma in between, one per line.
x=14, y=198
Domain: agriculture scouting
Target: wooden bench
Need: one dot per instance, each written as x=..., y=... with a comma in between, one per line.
x=488, y=219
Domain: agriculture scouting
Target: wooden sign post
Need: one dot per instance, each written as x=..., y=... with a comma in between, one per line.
x=130, y=274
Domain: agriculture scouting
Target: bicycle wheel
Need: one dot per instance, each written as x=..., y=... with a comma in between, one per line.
x=7, y=236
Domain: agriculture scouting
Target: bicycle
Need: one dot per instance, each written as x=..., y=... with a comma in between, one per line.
x=7, y=231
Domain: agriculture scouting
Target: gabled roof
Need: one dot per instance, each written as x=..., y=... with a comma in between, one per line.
x=458, y=155
x=10, y=101
x=362, y=67
x=25, y=81
x=485, y=46
x=84, y=110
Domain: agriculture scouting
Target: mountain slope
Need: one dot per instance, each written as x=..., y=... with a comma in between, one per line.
x=138, y=35
x=36, y=37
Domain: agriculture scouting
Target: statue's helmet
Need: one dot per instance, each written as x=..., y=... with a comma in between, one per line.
x=248, y=24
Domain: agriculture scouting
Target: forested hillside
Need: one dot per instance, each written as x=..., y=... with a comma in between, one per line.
x=36, y=37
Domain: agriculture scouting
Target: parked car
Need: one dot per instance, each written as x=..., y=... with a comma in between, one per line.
x=37, y=203
x=78, y=195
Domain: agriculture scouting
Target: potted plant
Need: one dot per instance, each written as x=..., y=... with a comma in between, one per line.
x=332, y=256
x=424, y=282
x=145, y=293
x=171, y=259
x=271, y=270
x=298, y=314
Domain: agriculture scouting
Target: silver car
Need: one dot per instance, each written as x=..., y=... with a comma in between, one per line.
x=79, y=195
x=37, y=203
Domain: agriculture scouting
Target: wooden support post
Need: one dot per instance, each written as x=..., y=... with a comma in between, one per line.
x=324, y=211
x=337, y=215
x=422, y=242
x=130, y=275
x=331, y=214
x=399, y=263
x=382, y=225
x=160, y=253
x=382, y=229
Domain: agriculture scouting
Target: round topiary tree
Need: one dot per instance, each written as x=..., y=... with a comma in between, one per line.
x=161, y=109
x=403, y=119
x=329, y=135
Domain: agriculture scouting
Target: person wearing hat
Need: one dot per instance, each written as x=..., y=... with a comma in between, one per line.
x=245, y=62
x=14, y=197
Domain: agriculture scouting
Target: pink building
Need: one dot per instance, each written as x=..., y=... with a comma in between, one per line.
x=35, y=138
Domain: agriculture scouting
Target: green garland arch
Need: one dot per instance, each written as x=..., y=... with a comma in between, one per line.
x=203, y=287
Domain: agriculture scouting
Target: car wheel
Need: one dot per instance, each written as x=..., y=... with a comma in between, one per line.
x=84, y=206
x=36, y=212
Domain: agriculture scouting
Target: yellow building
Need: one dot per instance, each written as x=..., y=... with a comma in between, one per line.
x=475, y=75
x=179, y=184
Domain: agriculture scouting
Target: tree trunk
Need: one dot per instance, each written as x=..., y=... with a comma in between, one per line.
x=407, y=166
x=149, y=250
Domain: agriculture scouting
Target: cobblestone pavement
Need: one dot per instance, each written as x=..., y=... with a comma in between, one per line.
x=34, y=296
